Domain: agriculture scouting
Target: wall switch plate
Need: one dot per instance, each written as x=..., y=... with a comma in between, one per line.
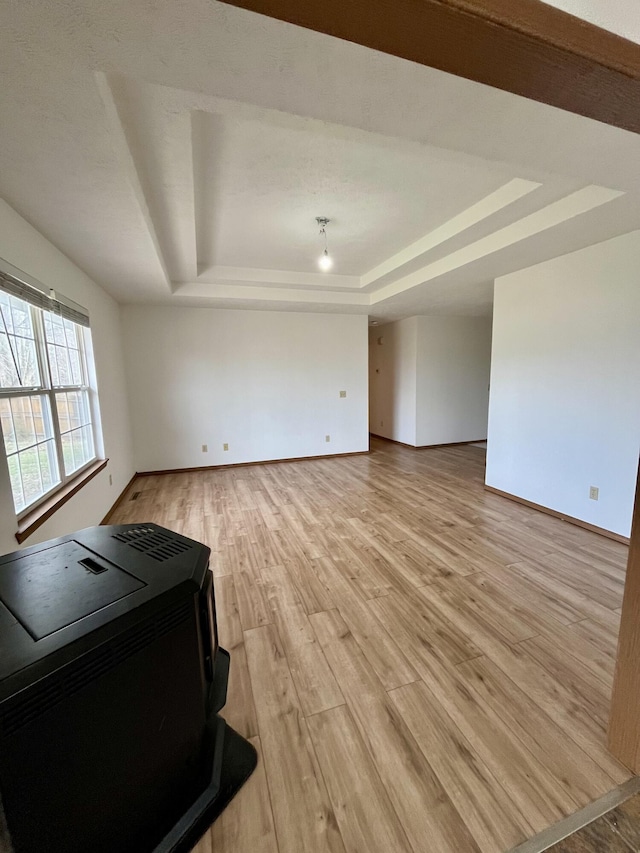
x=205, y=448
x=327, y=438
x=594, y=493
x=225, y=446
x=343, y=393
x=110, y=480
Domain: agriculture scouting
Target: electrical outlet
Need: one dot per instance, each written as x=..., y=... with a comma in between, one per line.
x=343, y=393
x=594, y=493
x=225, y=446
x=327, y=438
x=205, y=448
x=110, y=480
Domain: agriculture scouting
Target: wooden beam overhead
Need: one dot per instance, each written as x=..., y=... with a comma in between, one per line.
x=521, y=46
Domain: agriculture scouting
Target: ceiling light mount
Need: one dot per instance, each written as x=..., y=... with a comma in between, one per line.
x=325, y=262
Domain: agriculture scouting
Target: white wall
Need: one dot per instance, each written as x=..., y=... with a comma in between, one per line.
x=267, y=383
x=429, y=379
x=565, y=383
x=22, y=246
x=392, y=380
x=454, y=363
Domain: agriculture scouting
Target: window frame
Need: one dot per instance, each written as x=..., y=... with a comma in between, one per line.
x=48, y=390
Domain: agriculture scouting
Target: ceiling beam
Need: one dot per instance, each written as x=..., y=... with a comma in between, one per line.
x=521, y=46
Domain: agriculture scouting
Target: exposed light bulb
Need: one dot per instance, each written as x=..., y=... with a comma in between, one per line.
x=324, y=261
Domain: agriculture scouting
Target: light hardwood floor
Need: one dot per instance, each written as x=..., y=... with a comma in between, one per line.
x=423, y=666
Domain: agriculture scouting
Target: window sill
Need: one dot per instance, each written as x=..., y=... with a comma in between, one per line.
x=33, y=520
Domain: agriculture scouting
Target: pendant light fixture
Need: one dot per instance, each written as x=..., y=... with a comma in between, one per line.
x=325, y=261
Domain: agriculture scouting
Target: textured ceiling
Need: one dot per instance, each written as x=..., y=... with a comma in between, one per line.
x=180, y=152
x=618, y=16
x=264, y=184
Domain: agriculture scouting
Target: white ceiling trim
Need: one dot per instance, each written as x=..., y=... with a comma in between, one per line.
x=502, y=197
x=388, y=279
x=275, y=294
x=560, y=211
x=124, y=152
x=265, y=278
x=549, y=216
x=239, y=283
x=186, y=265
x=498, y=200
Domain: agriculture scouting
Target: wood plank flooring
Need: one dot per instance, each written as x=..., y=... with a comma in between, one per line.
x=422, y=665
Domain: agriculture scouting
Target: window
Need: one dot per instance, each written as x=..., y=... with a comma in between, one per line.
x=46, y=409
